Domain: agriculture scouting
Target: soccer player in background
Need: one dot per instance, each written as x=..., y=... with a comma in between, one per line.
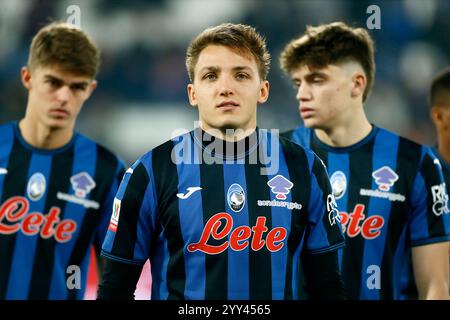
x=390, y=190
x=228, y=210
x=440, y=114
x=56, y=186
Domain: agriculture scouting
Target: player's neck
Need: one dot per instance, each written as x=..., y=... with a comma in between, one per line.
x=227, y=134
x=444, y=146
x=43, y=137
x=346, y=133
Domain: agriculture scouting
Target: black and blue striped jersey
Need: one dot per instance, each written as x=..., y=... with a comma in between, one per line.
x=54, y=205
x=221, y=227
x=391, y=196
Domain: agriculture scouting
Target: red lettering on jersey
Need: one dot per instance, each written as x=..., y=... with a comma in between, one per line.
x=239, y=237
x=15, y=209
x=369, y=228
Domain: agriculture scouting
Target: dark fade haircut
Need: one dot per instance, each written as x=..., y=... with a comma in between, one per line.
x=65, y=46
x=332, y=43
x=243, y=39
x=440, y=88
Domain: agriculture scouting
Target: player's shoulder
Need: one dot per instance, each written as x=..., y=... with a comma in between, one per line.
x=292, y=148
x=410, y=150
x=299, y=134
x=103, y=154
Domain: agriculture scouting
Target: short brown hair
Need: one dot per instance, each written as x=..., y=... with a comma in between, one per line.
x=440, y=88
x=67, y=47
x=331, y=44
x=243, y=38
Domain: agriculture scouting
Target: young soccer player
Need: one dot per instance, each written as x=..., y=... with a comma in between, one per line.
x=228, y=210
x=56, y=186
x=390, y=191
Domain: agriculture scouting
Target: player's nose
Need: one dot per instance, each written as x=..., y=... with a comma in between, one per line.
x=303, y=92
x=63, y=95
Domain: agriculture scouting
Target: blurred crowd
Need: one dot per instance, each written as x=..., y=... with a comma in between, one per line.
x=141, y=98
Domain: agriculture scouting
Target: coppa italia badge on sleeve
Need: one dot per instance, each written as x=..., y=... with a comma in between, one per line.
x=115, y=216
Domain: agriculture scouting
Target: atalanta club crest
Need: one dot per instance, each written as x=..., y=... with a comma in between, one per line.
x=36, y=186
x=236, y=197
x=339, y=184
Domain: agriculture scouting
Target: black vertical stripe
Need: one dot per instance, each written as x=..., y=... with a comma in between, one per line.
x=166, y=180
x=408, y=159
x=15, y=184
x=126, y=234
x=298, y=169
x=432, y=178
x=333, y=233
x=361, y=168
x=105, y=173
x=213, y=195
x=322, y=154
x=260, y=262
x=59, y=181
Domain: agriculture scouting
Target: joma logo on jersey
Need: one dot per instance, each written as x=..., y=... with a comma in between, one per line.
x=355, y=223
x=239, y=238
x=14, y=217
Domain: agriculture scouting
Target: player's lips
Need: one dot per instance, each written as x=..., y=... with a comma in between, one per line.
x=59, y=112
x=227, y=105
x=306, y=112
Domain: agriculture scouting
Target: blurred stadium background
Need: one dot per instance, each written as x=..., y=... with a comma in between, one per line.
x=141, y=98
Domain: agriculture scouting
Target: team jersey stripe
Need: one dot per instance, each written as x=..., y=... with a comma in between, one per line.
x=238, y=261
x=84, y=154
x=384, y=155
x=360, y=177
x=10, y=186
x=339, y=162
x=166, y=181
x=130, y=204
x=216, y=266
x=433, y=179
x=24, y=251
x=259, y=261
x=279, y=216
x=191, y=218
x=103, y=166
x=298, y=170
x=58, y=181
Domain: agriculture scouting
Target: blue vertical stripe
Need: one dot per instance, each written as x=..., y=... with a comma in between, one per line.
x=302, y=136
x=191, y=219
x=340, y=162
x=419, y=223
x=85, y=159
x=281, y=217
x=159, y=261
x=384, y=154
x=24, y=251
x=400, y=265
x=238, y=261
x=6, y=144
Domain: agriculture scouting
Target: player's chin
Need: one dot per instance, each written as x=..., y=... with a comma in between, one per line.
x=58, y=123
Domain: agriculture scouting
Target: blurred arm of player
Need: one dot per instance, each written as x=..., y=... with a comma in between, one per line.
x=431, y=270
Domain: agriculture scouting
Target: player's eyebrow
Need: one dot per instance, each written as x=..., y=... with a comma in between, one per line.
x=243, y=68
x=315, y=74
x=81, y=84
x=210, y=69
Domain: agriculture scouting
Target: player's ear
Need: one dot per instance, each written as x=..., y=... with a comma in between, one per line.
x=91, y=87
x=359, y=83
x=436, y=116
x=192, y=95
x=264, y=91
x=25, y=76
